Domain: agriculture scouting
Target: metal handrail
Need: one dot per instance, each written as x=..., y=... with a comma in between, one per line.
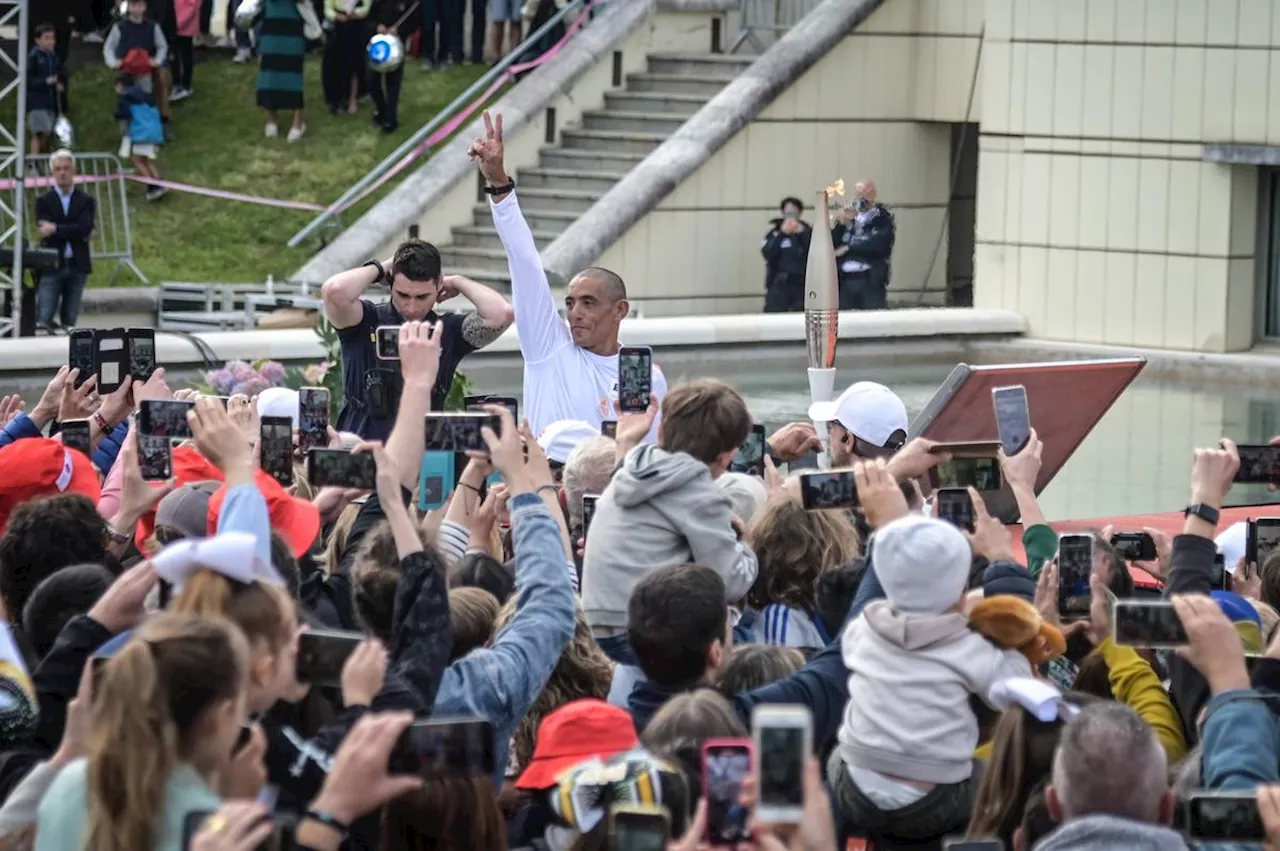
x=434, y=124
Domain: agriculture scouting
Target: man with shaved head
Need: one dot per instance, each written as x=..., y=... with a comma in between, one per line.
x=864, y=235
x=570, y=372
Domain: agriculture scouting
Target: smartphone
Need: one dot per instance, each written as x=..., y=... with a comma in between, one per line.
x=991, y=843
x=509, y=402
x=155, y=457
x=1013, y=418
x=635, y=379
x=81, y=353
x=446, y=745
x=460, y=432
x=1134, y=546
x=165, y=418
x=1260, y=538
x=1075, y=566
x=275, y=448
x=1221, y=579
x=313, y=418
x=340, y=468
x=142, y=352
x=588, y=511
x=982, y=474
x=749, y=458
x=955, y=506
x=782, y=736
x=382, y=393
x=110, y=359
x=609, y=428
x=1147, y=623
x=435, y=480
x=636, y=828
x=1259, y=465
x=726, y=763
x=387, y=342
x=322, y=653
x=829, y=489
x=75, y=435
x=1225, y=817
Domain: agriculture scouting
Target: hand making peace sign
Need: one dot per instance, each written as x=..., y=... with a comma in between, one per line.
x=488, y=153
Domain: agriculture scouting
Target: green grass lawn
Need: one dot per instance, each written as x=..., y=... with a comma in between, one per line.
x=219, y=144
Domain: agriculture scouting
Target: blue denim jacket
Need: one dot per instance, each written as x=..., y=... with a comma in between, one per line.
x=1241, y=750
x=500, y=682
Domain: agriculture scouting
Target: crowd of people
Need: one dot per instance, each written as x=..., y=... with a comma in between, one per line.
x=518, y=675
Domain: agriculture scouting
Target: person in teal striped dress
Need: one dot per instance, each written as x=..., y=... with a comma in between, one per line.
x=283, y=48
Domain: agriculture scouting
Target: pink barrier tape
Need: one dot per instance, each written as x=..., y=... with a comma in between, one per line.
x=449, y=127
x=42, y=182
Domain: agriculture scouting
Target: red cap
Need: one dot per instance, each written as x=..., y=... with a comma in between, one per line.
x=574, y=733
x=40, y=466
x=295, y=520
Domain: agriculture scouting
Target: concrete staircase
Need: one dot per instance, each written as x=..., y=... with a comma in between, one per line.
x=590, y=159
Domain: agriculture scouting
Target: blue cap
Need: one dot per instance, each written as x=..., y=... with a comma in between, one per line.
x=1235, y=607
x=113, y=646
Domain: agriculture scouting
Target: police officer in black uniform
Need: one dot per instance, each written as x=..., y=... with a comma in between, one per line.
x=786, y=253
x=864, y=235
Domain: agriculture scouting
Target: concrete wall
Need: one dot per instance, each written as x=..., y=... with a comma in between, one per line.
x=1097, y=218
x=875, y=106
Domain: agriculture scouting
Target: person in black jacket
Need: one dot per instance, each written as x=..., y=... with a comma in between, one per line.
x=786, y=252
x=390, y=16
x=66, y=218
x=43, y=86
x=864, y=236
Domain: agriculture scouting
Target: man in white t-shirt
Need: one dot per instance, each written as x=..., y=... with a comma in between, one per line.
x=570, y=371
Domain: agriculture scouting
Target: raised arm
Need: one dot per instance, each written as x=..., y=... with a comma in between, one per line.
x=342, y=294
x=541, y=329
x=492, y=316
x=419, y=364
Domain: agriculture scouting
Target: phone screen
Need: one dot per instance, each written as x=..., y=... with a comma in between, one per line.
x=1075, y=565
x=982, y=474
x=80, y=356
x=749, y=458
x=165, y=418
x=276, y=448
x=387, y=339
x=1013, y=418
x=460, y=432
x=340, y=468
x=588, y=511
x=835, y=489
x=724, y=768
x=322, y=653
x=955, y=506
x=509, y=402
x=458, y=746
x=781, y=766
x=632, y=831
x=155, y=457
x=1134, y=546
x=75, y=435
x=1225, y=818
x=1259, y=465
x=635, y=378
x=1266, y=536
x=1221, y=579
x=1147, y=623
x=110, y=360
x=609, y=428
x=313, y=418
x=142, y=353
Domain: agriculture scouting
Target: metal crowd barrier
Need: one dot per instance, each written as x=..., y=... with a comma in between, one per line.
x=763, y=21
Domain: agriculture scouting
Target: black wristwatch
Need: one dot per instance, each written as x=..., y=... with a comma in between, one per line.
x=501, y=190
x=382, y=272
x=1207, y=513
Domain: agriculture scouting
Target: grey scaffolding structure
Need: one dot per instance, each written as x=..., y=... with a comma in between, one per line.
x=13, y=152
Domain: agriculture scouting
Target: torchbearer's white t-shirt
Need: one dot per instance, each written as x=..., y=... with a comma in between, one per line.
x=562, y=381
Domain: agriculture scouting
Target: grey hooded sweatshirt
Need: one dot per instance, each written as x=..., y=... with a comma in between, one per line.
x=1109, y=833
x=660, y=508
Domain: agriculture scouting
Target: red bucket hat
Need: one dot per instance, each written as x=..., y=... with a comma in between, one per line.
x=40, y=466
x=576, y=732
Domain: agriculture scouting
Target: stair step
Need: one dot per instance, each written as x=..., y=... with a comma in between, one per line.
x=480, y=236
x=473, y=257
x=567, y=178
x=499, y=279
x=539, y=218
x=678, y=84
x=563, y=200
x=624, y=101
x=580, y=160
x=632, y=122
x=723, y=66
x=606, y=140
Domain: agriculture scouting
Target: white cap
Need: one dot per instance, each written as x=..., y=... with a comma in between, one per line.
x=868, y=410
x=561, y=437
x=280, y=402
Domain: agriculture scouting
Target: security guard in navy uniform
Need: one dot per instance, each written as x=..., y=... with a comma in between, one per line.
x=786, y=253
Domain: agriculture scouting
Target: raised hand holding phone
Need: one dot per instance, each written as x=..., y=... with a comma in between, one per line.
x=507, y=452
x=878, y=493
x=1215, y=647
x=990, y=537
x=419, y=351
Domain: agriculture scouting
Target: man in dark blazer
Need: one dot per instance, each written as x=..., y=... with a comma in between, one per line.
x=65, y=216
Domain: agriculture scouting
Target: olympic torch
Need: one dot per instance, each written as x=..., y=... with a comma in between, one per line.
x=821, y=310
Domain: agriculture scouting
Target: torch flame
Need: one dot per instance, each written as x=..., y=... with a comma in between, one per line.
x=836, y=188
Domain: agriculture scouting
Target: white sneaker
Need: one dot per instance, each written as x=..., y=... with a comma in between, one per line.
x=273, y=130
x=179, y=93
x=243, y=55
x=295, y=133
x=224, y=41
x=93, y=38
